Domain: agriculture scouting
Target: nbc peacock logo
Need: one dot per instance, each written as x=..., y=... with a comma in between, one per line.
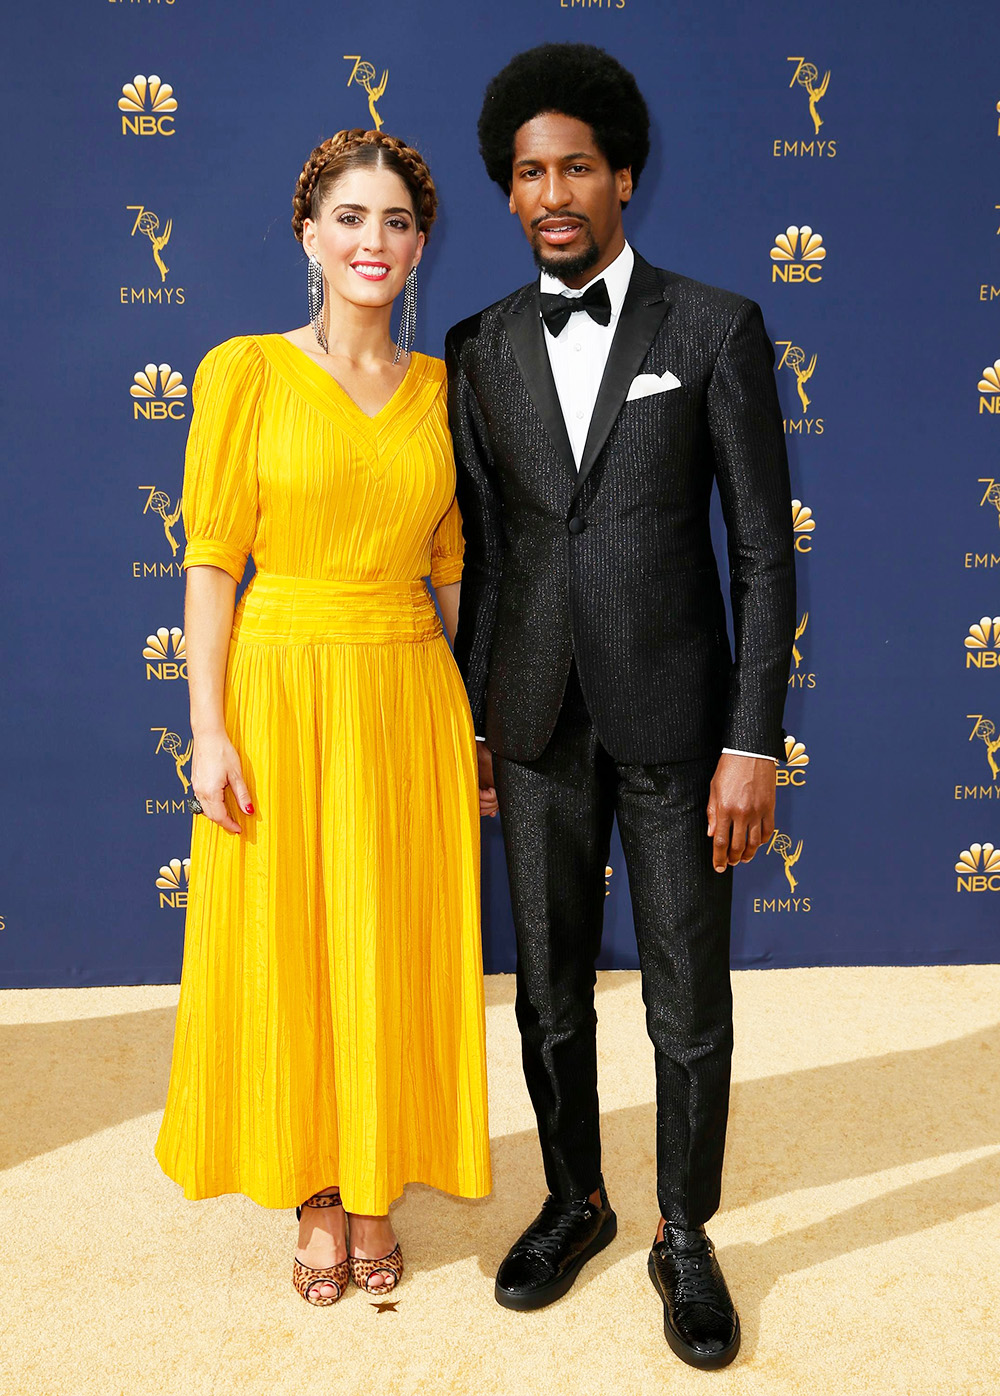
x=158, y=392
x=147, y=106
x=792, y=771
x=978, y=868
x=797, y=255
x=165, y=654
x=982, y=644
x=989, y=389
x=803, y=526
x=172, y=882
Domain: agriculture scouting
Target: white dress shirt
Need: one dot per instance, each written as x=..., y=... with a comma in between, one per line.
x=578, y=357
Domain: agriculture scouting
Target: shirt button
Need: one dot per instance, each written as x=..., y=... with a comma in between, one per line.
x=576, y=524
x=579, y=416
x=578, y=347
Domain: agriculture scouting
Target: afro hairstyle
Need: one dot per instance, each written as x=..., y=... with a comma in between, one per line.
x=579, y=80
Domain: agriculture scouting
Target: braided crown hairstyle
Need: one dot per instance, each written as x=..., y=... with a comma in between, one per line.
x=360, y=149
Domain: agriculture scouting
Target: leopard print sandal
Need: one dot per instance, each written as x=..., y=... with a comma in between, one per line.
x=306, y=1277
x=390, y=1265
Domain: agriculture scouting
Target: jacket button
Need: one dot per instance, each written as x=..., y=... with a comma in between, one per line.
x=576, y=524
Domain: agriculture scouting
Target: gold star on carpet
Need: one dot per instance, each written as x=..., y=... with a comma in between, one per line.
x=386, y=1306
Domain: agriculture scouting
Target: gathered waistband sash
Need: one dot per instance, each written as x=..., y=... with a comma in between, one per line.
x=278, y=610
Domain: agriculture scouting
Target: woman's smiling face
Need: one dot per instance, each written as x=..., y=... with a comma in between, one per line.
x=365, y=237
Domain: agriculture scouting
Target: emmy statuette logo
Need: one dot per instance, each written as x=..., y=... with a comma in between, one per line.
x=148, y=222
x=982, y=644
x=158, y=392
x=989, y=389
x=797, y=255
x=781, y=845
x=792, y=771
x=803, y=526
x=165, y=655
x=178, y=754
x=990, y=499
x=805, y=75
x=157, y=505
x=988, y=290
x=799, y=677
x=172, y=881
x=992, y=495
x=608, y=872
x=795, y=360
x=364, y=75
x=978, y=869
x=147, y=225
x=172, y=745
x=147, y=106
x=985, y=729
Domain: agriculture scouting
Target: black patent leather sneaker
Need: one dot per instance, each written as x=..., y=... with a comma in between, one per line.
x=545, y=1260
x=700, y=1321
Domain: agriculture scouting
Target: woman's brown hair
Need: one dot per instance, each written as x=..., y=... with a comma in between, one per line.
x=361, y=149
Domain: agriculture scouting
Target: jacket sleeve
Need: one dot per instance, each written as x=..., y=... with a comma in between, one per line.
x=479, y=504
x=751, y=467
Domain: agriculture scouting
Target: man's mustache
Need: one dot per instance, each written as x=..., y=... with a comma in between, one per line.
x=536, y=223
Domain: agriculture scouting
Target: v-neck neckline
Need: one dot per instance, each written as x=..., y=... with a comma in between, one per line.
x=393, y=400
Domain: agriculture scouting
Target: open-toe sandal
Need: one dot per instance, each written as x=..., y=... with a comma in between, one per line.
x=390, y=1265
x=306, y=1278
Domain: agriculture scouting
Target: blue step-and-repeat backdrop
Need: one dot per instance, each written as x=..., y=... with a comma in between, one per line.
x=839, y=163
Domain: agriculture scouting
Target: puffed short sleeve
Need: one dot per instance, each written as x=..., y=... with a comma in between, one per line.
x=447, y=548
x=219, y=499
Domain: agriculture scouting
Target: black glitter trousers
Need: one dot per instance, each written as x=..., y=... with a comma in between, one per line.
x=557, y=817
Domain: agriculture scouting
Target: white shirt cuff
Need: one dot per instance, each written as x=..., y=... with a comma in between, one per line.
x=731, y=751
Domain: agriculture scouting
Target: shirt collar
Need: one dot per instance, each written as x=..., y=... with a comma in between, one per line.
x=616, y=277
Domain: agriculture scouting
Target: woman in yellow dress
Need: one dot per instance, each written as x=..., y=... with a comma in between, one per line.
x=330, y=1031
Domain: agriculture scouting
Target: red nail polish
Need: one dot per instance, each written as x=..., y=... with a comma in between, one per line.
x=249, y=809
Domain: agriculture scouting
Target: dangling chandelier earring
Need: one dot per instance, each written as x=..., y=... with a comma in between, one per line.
x=314, y=284
x=408, y=319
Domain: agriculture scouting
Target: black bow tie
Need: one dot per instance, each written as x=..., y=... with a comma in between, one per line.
x=556, y=309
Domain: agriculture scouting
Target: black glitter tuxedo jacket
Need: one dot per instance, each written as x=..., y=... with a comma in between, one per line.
x=613, y=564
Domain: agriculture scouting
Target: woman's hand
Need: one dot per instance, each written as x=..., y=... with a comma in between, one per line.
x=214, y=766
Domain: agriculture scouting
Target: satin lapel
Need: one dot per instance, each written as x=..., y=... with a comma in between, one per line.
x=524, y=330
x=642, y=315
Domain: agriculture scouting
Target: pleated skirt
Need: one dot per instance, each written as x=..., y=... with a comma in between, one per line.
x=330, y=1027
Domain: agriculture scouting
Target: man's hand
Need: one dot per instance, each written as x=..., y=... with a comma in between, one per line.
x=740, y=808
x=487, y=790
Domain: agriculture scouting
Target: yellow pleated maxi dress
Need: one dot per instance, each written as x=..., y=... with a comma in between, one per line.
x=330, y=1027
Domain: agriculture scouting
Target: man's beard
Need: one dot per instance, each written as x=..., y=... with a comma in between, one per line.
x=561, y=267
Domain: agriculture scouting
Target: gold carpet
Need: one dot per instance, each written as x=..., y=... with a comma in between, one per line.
x=859, y=1229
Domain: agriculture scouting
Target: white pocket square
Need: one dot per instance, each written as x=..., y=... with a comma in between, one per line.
x=648, y=383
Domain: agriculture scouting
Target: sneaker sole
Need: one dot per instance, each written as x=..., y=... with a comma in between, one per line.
x=548, y=1294
x=707, y=1362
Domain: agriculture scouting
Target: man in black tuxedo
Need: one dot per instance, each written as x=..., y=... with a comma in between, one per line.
x=591, y=412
